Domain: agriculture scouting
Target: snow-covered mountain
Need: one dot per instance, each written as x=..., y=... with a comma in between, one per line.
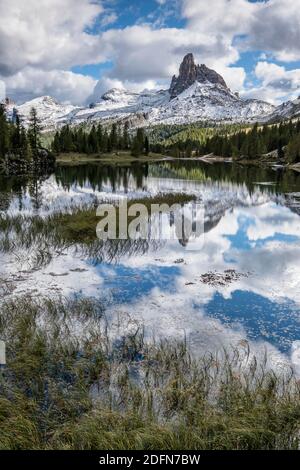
x=209, y=101
x=197, y=94
x=49, y=110
x=290, y=109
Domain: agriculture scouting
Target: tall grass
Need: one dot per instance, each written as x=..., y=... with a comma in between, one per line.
x=70, y=383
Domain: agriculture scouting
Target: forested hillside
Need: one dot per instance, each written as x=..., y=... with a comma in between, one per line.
x=169, y=135
x=236, y=142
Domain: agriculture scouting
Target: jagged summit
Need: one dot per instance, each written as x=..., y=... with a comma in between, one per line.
x=189, y=73
x=197, y=94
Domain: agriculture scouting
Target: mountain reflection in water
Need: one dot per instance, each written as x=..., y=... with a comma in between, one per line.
x=252, y=226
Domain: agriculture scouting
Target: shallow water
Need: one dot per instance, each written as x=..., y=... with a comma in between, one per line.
x=252, y=226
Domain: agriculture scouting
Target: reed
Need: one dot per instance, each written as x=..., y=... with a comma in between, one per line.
x=71, y=383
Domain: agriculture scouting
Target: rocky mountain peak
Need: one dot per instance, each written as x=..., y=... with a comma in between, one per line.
x=188, y=68
x=189, y=73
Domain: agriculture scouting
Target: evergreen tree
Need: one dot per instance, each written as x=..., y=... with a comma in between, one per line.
x=188, y=150
x=126, y=138
x=293, y=150
x=4, y=138
x=34, y=130
x=24, y=145
x=227, y=141
x=147, y=146
x=100, y=137
x=16, y=134
x=138, y=143
x=114, y=137
x=105, y=140
x=93, y=141
x=280, y=151
x=19, y=146
x=55, y=146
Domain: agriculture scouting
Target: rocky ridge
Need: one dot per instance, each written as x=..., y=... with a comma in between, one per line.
x=196, y=94
x=189, y=73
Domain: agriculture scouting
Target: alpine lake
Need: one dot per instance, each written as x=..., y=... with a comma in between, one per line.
x=241, y=286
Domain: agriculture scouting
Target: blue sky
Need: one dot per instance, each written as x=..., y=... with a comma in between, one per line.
x=77, y=49
x=126, y=13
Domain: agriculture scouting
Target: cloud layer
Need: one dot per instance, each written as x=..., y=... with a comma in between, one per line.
x=65, y=86
x=275, y=83
x=47, y=34
x=41, y=40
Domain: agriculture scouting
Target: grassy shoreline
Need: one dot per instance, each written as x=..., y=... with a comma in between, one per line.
x=125, y=158
x=111, y=158
x=70, y=384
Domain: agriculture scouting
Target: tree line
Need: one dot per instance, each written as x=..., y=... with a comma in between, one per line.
x=15, y=140
x=246, y=143
x=100, y=139
x=169, y=135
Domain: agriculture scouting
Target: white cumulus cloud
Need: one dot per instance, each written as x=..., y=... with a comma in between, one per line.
x=276, y=83
x=55, y=35
x=63, y=85
x=2, y=90
x=47, y=34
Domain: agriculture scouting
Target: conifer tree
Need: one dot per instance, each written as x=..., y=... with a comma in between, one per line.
x=114, y=137
x=138, y=143
x=293, y=150
x=105, y=142
x=16, y=134
x=55, y=146
x=147, y=146
x=126, y=139
x=4, y=138
x=93, y=141
x=100, y=137
x=34, y=130
x=24, y=145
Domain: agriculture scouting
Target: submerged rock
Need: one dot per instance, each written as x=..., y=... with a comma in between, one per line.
x=222, y=279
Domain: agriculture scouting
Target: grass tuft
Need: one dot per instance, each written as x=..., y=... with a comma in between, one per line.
x=71, y=384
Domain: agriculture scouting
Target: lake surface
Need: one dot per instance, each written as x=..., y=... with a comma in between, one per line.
x=252, y=229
